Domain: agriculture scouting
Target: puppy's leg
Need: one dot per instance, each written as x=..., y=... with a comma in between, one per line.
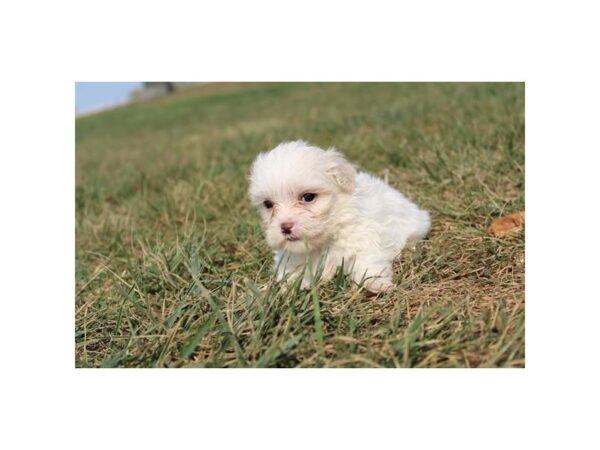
x=323, y=267
x=335, y=259
x=288, y=266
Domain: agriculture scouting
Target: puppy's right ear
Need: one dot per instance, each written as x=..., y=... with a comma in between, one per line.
x=340, y=170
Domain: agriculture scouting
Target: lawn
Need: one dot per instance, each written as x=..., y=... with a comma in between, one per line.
x=171, y=265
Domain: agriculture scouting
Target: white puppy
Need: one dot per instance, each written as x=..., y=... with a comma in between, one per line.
x=318, y=210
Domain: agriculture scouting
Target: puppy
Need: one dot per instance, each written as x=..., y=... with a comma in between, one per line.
x=318, y=211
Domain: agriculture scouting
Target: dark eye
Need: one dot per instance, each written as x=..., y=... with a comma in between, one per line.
x=268, y=204
x=308, y=197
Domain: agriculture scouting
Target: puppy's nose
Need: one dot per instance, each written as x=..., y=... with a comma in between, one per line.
x=286, y=227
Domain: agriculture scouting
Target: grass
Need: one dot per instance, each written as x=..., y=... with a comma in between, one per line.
x=172, y=269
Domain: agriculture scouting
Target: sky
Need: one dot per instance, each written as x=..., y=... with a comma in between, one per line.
x=97, y=95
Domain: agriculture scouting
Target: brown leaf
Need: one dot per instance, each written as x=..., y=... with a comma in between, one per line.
x=507, y=224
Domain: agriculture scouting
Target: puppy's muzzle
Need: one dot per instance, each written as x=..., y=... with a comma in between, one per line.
x=286, y=228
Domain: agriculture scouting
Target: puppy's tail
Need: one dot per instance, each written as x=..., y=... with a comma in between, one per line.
x=422, y=225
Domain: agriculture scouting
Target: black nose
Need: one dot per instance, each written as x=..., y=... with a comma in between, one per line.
x=286, y=227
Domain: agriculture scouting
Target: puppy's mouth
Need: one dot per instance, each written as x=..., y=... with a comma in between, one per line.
x=290, y=238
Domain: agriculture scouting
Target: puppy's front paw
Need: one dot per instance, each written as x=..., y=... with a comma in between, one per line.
x=293, y=279
x=379, y=285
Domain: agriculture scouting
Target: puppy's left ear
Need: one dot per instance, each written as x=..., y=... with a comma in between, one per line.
x=340, y=170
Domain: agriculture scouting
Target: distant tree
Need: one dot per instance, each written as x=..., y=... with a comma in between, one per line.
x=166, y=86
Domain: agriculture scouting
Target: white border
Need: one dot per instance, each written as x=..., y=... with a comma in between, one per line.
x=49, y=45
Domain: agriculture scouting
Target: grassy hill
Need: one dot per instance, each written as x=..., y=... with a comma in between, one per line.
x=171, y=265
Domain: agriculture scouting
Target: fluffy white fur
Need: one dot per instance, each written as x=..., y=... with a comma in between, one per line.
x=355, y=219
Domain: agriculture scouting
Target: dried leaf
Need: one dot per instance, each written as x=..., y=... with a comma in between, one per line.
x=507, y=224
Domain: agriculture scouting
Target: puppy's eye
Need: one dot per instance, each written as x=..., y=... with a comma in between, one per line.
x=268, y=204
x=308, y=197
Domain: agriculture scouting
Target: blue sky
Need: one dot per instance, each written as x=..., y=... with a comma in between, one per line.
x=92, y=95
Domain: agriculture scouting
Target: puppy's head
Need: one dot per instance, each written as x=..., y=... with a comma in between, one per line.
x=299, y=190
